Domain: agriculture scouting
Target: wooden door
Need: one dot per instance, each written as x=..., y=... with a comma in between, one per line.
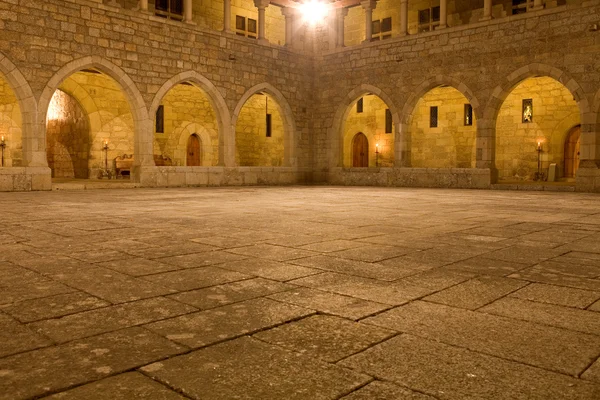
x=572, y=152
x=360, y=151
x=193, y=158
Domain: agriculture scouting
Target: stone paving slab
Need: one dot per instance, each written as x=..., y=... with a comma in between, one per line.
x=16, y=338
x=325, y=337
x=548, y=347
x=227, y=322
x=559, y=295
x=249, y=369
x=196, y=278
x=228, y=293
x=547, y=314
x=59, y=367
x=449, y=372
x=135, y=266
x=379, y=390
x=538, y=274
x=330, y=303
x=271, y=252
x=274, y=270
x=476, y=293
x=89, y=323
x=204, y=259
x=53, y=306
x=127, y=386
x=487, y=266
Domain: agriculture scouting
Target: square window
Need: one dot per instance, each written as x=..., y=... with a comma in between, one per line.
x=376, y=27
x=433, y=117
x=251, y=25
x=424, y=16
x=386, y=24
x=240, y=23
x=468, y=115
x=435, y=13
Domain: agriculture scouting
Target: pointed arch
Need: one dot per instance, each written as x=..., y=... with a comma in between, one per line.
x=335, y=133
x=142, y=133
x=215, y=99
x=28, y=107
x=289, y=135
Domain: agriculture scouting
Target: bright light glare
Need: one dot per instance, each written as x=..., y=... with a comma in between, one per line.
x=313, y=11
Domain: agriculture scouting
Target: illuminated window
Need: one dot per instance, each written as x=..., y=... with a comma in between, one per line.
x=468, y=115
x=245, y=27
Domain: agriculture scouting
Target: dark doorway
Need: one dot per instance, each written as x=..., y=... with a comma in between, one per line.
x=360, y=151
x=193, y=158
x=572, y=151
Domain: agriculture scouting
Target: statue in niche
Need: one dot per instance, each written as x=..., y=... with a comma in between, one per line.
x=527, y=110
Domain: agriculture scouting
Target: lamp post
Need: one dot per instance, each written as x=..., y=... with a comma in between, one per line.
x=105, y=149
x=2, y=145
x=538, y=175
x=376, y=154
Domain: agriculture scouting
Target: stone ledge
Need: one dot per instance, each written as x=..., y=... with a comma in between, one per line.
x=19, y=179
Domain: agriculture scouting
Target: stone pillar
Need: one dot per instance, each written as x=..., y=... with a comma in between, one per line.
x=187, y=11
x=143, y=5
x=368, y=6
x=403, y=17
x=443, y=14
x=340, y=14
x=227, y=16
x=487, y=10
x=288, y=13
x=537, y=5
x=262, y=7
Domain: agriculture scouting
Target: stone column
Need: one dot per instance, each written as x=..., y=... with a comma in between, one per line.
x=187, y=11
x=487, y=10
x=288, y=13
x=262, y=7
x=537, y=5
x=143, y=5
x=340, y=14
x=403, y=17
x=227, y=16
x=368, y=6
x=443, y=14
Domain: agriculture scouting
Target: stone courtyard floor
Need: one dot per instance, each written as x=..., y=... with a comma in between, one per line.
x=299, y=293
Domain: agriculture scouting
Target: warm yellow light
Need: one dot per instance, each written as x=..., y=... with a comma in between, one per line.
x=313, y=11
x=56, y=107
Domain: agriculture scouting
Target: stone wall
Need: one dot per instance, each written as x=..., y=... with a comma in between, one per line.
x=68, y=138
x=10, y=125
x=555, y=113
x=187, y=111
x=449, y=145
x=371, y=122
x=253, y=147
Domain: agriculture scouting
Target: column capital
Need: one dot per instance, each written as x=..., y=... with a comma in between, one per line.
x=288, y=11
x=262, y=3
x=368, y=4
x=341, y=12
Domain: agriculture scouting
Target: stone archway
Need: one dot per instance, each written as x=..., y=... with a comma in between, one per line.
x=142, y=133
x=336, y=132
x=225, y=131
x=289, y=138
x=418, y=93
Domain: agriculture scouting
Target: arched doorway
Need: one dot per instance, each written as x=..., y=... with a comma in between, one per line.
x=360, y=151
x=572, y=142
x=194, y=155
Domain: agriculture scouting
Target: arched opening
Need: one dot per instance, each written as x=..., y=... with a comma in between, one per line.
x=194, y=152
x=571, y=157
x=185, y=111
x=360, y=151
x=532, y=127
x=10, y=127
x=89, y=128
x=370, y=116
x=260, y=133
x=443, y=130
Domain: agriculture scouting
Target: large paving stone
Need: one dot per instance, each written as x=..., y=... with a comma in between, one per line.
x=32, y=290
x=108, y=319
x=538, y=274
x=53, y=306
x=560, y=295
x=204, y=259
x=215, y=325
x=523, y=254
x=378, y=390
x=325, y=337
x=449, y=372
x=271, y=252
x=274, y=270
x=249, y=369
x=372, y=253
x=127, y=386
x=171, y=250
x=487, y=266
x=136, y=266
x=59, y=367
x=548, y=314
x=196, y=278
x=330, y=303
x=228, y=293
x=477, y=292
x=544, y=346
x=16, y=337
